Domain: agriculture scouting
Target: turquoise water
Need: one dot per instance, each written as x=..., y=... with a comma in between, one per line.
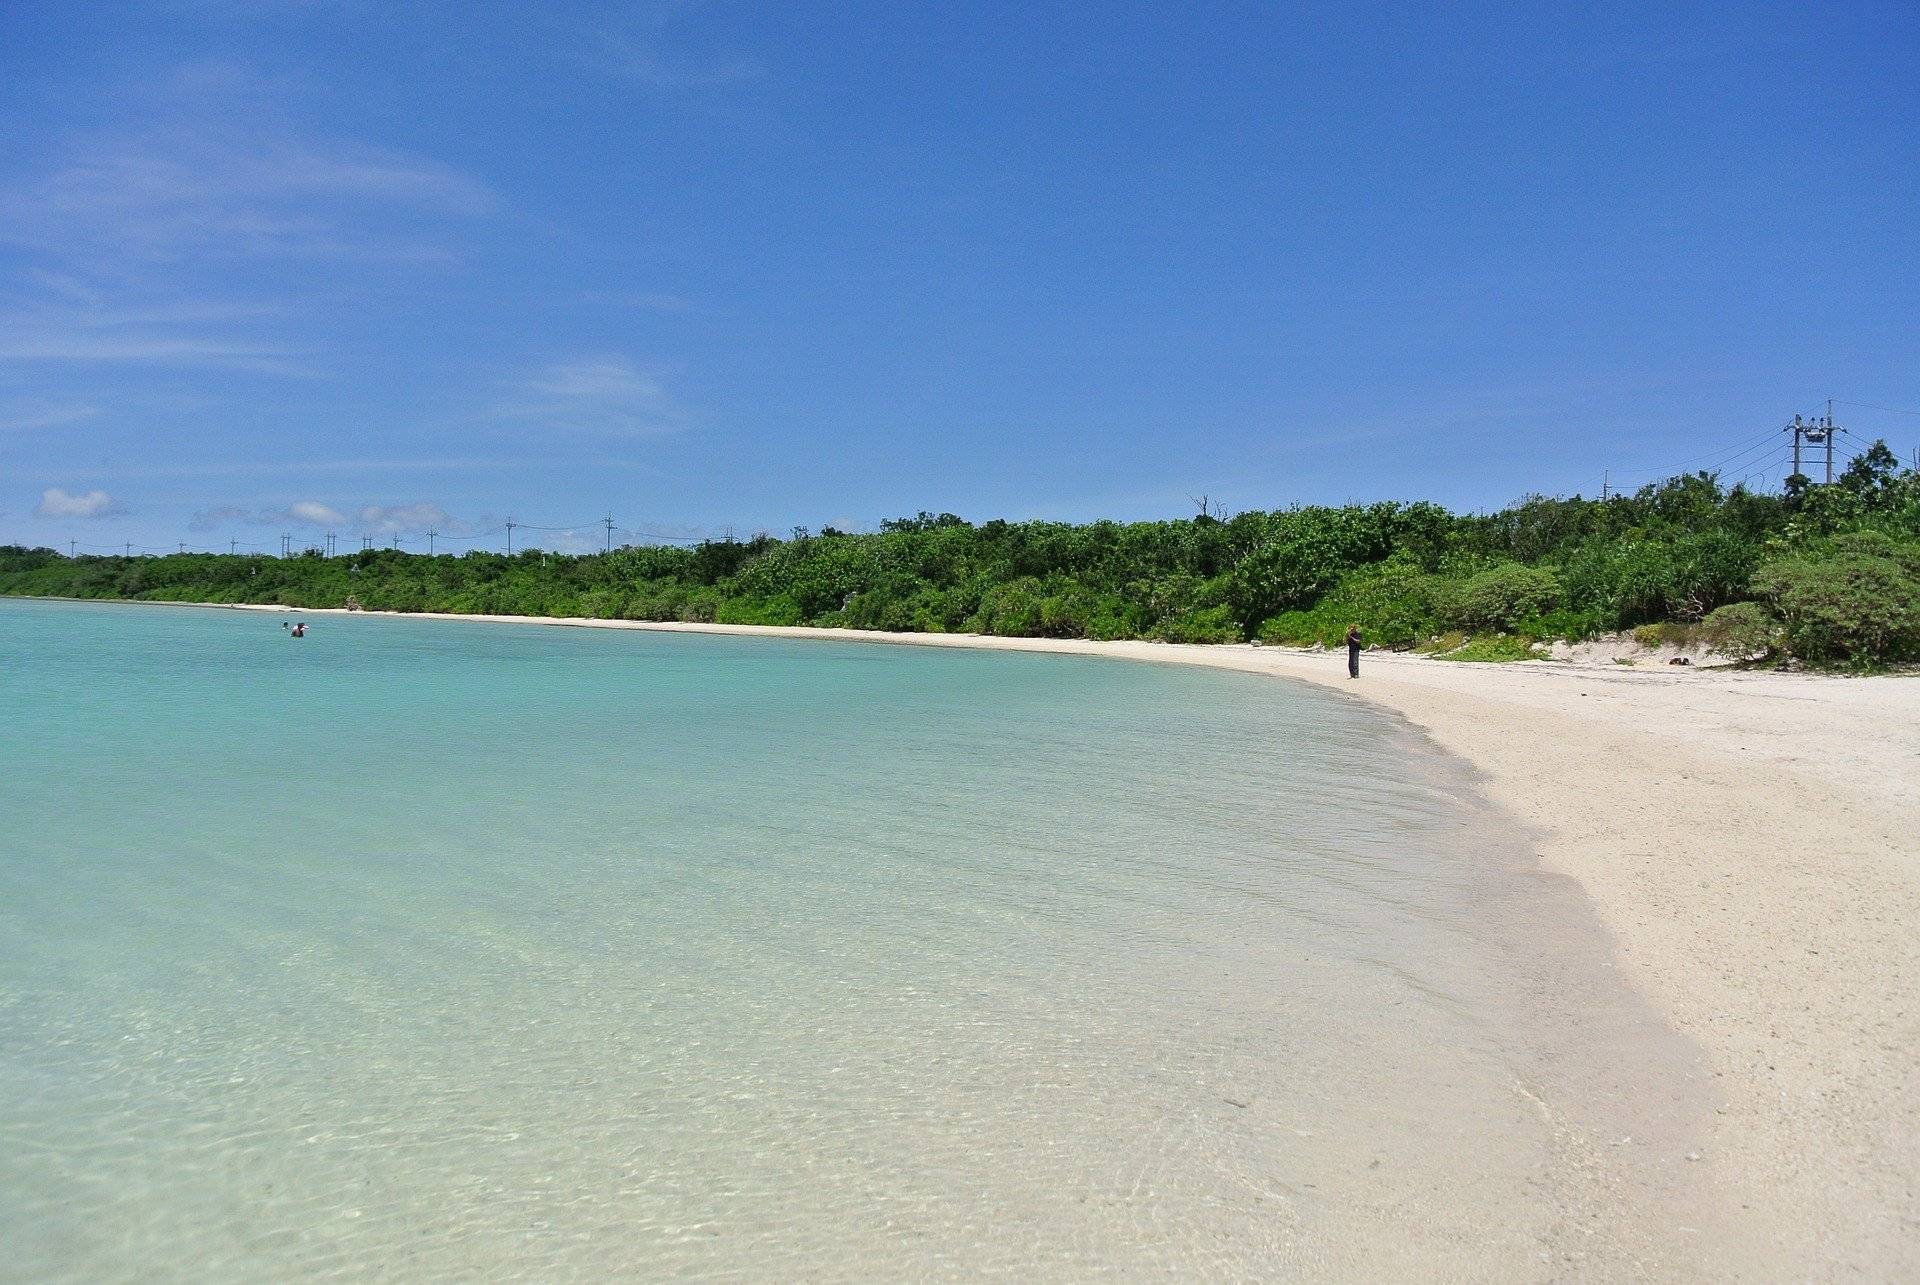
x=417, y=948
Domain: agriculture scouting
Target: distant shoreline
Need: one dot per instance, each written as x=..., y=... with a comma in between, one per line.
x=1748, y=838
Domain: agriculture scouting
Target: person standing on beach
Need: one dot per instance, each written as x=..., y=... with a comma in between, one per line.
x=1353, y=651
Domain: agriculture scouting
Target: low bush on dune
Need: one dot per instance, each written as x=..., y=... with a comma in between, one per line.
x=1492, y=647
x=1502, y=596
x=1854, y=604
x=1742, y=631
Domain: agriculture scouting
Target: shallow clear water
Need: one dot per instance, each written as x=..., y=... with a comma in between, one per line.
x=417, y=947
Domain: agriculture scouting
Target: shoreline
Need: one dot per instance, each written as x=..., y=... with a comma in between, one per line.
x=1745, y=839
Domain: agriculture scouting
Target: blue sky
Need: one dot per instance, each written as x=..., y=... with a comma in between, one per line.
x=371, y=267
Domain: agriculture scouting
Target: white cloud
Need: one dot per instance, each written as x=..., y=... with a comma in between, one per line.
x=209, y=167
x=403, y=519
x=649, y=300
x=314, y=513
x=643, y=56
x=606, y=394
x=55, y=338
x=56, y=503
x=219, y=181
x=31, y=415
x=212, y=519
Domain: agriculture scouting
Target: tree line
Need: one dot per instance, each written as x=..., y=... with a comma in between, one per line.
x=1825, y=575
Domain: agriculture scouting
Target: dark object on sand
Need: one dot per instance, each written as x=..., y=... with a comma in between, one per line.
x=1353, y=651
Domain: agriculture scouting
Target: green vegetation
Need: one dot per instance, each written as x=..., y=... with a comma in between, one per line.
x=1826, y=575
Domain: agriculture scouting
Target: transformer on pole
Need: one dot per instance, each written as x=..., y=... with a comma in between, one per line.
x=1813, y=432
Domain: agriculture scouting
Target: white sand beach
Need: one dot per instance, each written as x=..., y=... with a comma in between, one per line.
x=1752, y=843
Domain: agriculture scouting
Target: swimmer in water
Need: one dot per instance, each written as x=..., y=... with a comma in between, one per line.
x=300, y=630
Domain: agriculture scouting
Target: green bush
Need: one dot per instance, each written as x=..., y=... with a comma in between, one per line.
x=1491, y=648
x=1212, y=625
x=1573, y=625
x=1742, y=631
x=1500, y=597
x=1858, y=606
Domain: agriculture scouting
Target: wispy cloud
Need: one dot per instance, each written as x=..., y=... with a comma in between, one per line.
x=597, y=394
x=216, y=174
x=644, y=54
x=30, y=415
x=215, y=518
x=372, y=519
x=219, y=169
x=77, y=340
x=311, y=513
x=56, y=503
x=272, y=468
x=646, y=300
x=409, y=519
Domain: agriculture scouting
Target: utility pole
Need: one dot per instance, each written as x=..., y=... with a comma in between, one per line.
x=509, y=537
x=233, y=547
x=1830, y=436
x=1814, y=432
x=183, y=546
x=609, y=522
x=329, y=544
x=1606, y=476
x=129, y=548
x=73, y=548
x=430, y=534
x=286, y=544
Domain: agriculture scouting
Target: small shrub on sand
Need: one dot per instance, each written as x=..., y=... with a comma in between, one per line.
x=1741, y=631
x=1500, y=597
x=1492, y=648
x=1857, y=607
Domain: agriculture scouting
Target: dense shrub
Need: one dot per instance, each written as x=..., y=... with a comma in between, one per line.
x=1858, y=605
x=1500, y=597
x=1824, y=574
x=1742, y=631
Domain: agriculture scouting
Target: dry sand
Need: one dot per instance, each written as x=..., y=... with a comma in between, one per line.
x=1752, y=843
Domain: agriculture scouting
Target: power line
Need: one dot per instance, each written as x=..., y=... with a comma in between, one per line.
x=1891, y=410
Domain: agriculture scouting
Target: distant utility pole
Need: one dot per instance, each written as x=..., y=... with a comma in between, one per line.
x=609, y=524
x=73, y=548
x=183, y=546
x=129, y=548
x=286, y=544
x=430, y=534
x=1606, y=478
x=329, y=544
x=233, y=547
x=1814, y=432
x=509, y=537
